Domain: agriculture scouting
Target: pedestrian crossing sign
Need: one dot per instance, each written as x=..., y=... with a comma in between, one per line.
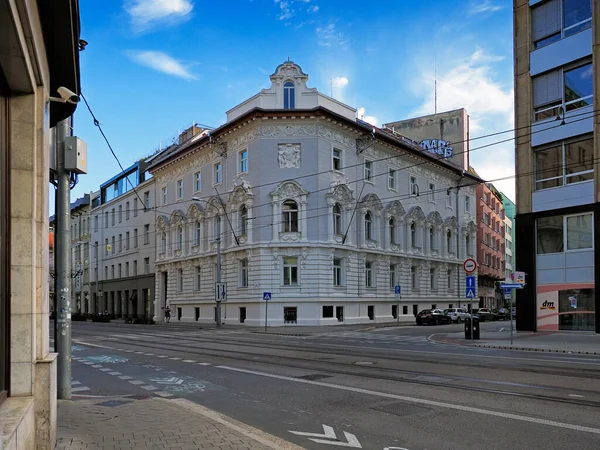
x=266, y=296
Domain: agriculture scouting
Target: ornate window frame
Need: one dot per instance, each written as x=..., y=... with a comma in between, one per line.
x=289, y=190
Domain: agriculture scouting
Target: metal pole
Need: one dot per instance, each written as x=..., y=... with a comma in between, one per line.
x=55, y=281
x=398, y=312
x=266, y=313
x=63, y=265
x=512, y=294
x=458, y=244
x=218, y=278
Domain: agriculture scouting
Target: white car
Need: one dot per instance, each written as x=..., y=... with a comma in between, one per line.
x=457, y=314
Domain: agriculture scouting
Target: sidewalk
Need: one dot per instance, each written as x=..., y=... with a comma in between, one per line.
x=577, y=342
x=136, y=422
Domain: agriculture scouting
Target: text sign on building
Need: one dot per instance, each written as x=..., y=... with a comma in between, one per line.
x=437, y=147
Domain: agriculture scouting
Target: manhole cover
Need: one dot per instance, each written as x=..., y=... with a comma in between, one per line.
x=113, y=403
x=401, y=409
x=314, y=377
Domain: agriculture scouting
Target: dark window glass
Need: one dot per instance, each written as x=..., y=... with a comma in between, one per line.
x=327, y=311
x=575, y=12
x=579, y=84
x=550, y=235
x=289, y=95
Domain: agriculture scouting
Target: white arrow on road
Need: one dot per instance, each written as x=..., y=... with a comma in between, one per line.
x=328, y=433
x=172, y=380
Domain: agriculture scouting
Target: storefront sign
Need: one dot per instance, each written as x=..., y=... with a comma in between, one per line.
x=548, y=305
x=437, y=147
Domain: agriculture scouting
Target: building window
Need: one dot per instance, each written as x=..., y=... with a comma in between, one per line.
x=337, y=272
x=127, y=211
x=392, y=276
x=243, y=156
x=432, y=279
x=106, y=272
x=96, y=250
x=450, y=288
x=197, y=234
x=290, y=314
x=579, y=232
x=549, y=25
x=135, y=269
x=218, y=173
x=198, y=283
x=120, y=243
x=392, y=179
x=289, y=216
x=337, y=219
x=431, y=193
x=135, y=207
x=243, y=220
x=179, y=237
x=244, y=273
x=449, y=198
x=449, y=240
x=413, y=278
x=112, y=271
x=127, y=269
x=163, y=242
x=96, y=224
x=327, y=311
x=432, y=239
x=368, y=170
x=368, y=226
x=147, y=200
x=127, y=240
x=337, y=159
x=197, y=182
x=180, y=280
x=106, y=247
x=290, y=271
x=147, y=265
x=120, y=213
x=487, y=259
x=560, y=91
x=147, y=234
x=413, y=235
x=552, y=232
x=113, y=216
x=289, y=100
x=179, y=189
x=120, y=271
x=135, y=238
x=106, y=219
x=468, y=245
x=467, y=204
x=112, y=245
x=392, y=230
x=371, y=312
x=413, y=187
x=564, y=163
x=368, y=274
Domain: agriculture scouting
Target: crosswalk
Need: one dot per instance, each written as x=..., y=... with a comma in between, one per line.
x=372, y=338
x=76, y=387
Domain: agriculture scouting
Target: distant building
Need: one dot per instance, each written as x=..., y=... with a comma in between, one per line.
x=80, y=256
x=556, y=76
x=325, y=212
x=509, y=229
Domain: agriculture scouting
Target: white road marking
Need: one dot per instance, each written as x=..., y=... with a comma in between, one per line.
x=149, y=354
x=162, y=356
x=125, y=377
x=421, y=401
x=80, y=389
x=204, y=364
x=88, y=363
x=74, y=383
x=576, y=396
x=136, y=382
x=189, y=361
x=149, y=387
x=92, y=345
x=114, y=373
x=163, y=393
x=106, y=369
x=96, y=366
x=175, y=359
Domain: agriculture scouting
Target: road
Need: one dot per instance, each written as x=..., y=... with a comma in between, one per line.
x=390, y=388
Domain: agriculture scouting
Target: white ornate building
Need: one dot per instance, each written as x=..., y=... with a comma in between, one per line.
x=324, y=211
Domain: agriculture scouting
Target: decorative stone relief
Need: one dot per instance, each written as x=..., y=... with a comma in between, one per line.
x=288, y=156
x=451, y=222
x=289, y=189
x=287, y=130
x=372, y=203
x=435, y=219
x=289, y=236
x=335, y=136
x=395, y=208
x=342, y=194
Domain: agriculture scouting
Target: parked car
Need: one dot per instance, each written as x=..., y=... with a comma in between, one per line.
x=484, y=314
x=457, y=314
x=433, y=317
x=501, y=314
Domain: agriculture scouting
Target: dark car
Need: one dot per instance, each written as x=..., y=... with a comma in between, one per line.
x=484, y=314
x=501, y=314
x=433, y=317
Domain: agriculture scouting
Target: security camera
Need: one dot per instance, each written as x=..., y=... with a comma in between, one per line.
x=66, y=96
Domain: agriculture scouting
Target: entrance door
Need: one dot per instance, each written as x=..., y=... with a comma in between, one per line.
x=339, y=313
x=242, y=314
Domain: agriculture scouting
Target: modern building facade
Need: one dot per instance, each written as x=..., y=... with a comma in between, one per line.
x=122, y=241
x=510, y=210
x=557, y=46
x=491, y=246
x=80, y=258
x=324, y=212
x=39, y=53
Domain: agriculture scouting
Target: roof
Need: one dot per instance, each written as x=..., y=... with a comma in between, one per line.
x=176, y=152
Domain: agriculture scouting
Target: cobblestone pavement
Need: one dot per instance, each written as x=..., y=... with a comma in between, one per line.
x=125, y=423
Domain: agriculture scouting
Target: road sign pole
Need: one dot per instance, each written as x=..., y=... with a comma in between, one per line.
x=512, y=295
x=266, y=313
x=218, y=279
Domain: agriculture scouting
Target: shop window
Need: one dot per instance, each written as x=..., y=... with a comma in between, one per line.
x=290, y=314
x=327, y=311
x=577, y=310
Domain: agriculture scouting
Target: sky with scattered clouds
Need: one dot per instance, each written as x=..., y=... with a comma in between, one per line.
x=152, y=67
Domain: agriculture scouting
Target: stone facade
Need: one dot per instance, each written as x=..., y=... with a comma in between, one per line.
x=324, y=212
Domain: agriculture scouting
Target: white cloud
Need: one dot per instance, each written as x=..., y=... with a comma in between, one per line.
x=369, y=119
x=161, y=62
x=483, y=6
x=145, y=14
x=328, y=36
x=313, y=9
x=339, y=82
x=287, y=11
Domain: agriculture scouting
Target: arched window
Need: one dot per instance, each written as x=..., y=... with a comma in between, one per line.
x=179, y=237
x=337, y=219
x=449, y=240
x=163, y=242
x=289, y=95
x=197, y=236
x=413, y=235
x=432, y=238
x=243, y=220
x=217, y=227
x=392, y=225
x=368, y=226
x=289, y=216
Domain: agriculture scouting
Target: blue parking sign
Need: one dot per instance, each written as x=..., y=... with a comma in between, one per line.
x=397, y=289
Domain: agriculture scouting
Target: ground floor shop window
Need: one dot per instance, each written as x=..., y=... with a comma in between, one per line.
x=577, y=310
x=290, y=314
x=327, y=311
x=371, y=312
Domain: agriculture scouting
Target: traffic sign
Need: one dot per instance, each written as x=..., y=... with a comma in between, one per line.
x=510, y=286
x=507, y=291
x=518, y=278
x=220, y=292
x=397, y=289
x=266, y=296
x=470, y=281
x=470, y=265
x=470, y=292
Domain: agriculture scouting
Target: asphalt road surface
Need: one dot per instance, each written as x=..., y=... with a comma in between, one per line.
x=375, y=389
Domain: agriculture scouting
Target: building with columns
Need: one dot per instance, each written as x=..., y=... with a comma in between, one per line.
x=325, y=212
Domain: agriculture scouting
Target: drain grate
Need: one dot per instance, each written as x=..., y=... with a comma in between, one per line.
x=401, y=409
x=314, y=377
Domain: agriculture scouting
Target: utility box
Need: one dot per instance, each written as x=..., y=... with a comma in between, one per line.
x=75, y=155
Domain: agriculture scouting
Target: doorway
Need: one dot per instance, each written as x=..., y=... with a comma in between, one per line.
x=197, y=313
x=242, y=314
x=339, y=313
x=179, y=313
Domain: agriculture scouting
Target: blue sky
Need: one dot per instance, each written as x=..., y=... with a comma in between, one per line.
x=153, y=67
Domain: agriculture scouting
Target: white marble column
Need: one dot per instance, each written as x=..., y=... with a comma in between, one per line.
x=303, y=219
x=401, y=232
x=440, y=240
x=249, y=224
x=347, y=214
x=330, y=229
x=425, y=235
x=387, y=238
x=276, y=219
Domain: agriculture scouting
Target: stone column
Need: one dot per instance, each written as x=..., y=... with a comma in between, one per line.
x=201, y=246
x=401, y=232
x=386, y=232
x=303, y=219
x=330, y=230
x=440, y=239
x=276, y=218
x=425, y=236
x=249, y=224
x=347, y=214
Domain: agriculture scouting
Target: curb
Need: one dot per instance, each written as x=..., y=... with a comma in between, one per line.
x=532, y=349
x=280, y=334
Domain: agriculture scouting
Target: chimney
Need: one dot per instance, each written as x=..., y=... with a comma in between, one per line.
x=189, y=133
